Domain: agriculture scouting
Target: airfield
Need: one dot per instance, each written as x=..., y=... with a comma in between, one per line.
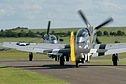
x=103, y=73
x=89, y=73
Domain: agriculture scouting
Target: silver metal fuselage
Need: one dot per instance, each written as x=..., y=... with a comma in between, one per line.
x=83, y=40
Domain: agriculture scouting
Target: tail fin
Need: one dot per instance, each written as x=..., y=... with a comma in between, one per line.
x=72, y=47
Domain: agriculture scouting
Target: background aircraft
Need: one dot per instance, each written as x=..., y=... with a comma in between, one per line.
x=83, y=46
x=48, y=38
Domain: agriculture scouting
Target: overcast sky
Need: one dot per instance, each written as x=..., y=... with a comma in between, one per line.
x=62, y=13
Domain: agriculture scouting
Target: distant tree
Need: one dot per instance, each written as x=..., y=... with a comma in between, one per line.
x=99, y=33
x=30, y=34
x=120, y=33
x=113, y=33
x=68, y=33
x=8, y=33
x=22, y=33
x=53, y=32
x=2, y=33
x=105, y=33
x=38, y=32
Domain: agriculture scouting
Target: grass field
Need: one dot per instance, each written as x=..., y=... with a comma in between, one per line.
x=108, y=59
x=10, y=75
x=103, y=39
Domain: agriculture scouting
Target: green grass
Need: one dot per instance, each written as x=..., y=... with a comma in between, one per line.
x=108, y=59
x=21, y=39
x=103, y=39
x=111, y=39
x=9, y=75
x=15, y=54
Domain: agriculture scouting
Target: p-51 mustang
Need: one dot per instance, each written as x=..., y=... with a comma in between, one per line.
x=80, y=49
x=48, y=38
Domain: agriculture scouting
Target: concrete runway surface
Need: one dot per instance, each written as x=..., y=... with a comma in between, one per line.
x=86, y=74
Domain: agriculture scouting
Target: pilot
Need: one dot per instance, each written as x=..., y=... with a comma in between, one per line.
x=115, y=59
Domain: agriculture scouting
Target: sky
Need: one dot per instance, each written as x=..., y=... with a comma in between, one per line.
x=35, y=14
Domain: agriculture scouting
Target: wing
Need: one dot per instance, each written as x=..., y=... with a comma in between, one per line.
x=33, y=47
x=110, y=48
x=2, y=49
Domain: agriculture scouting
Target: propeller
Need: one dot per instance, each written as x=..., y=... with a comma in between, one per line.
x=48, y=28
x=101, y=25
x=96, y=28
x=104, y=23
x=84, y=18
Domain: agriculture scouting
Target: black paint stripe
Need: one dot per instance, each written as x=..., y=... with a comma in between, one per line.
x=102, y=46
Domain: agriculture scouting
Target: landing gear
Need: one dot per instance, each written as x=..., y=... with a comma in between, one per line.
x=30, y=56
x=67, y=58
x=62, y=60
x=77, y=63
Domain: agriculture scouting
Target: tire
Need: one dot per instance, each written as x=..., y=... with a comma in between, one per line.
x=77, y=63
x=56, y=58
x=67, y=58
x=61, y=60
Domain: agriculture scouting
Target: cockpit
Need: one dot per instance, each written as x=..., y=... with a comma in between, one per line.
x=82, y=36
x=52, y=37
x=82, y=33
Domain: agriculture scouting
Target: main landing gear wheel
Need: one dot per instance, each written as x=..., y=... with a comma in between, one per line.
x=61, y=60
x=77, y=63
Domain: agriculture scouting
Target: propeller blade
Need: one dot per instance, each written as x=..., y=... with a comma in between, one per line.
x=105, y=23
x=97, y=41
x=48, y=28
x=84, y=18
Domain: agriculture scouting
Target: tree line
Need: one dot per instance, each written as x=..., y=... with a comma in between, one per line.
x=29, y=33
x=23, y=33
x=106, y=33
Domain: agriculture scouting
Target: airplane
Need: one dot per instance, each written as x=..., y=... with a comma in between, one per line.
x=48, y=38
x=81, y=47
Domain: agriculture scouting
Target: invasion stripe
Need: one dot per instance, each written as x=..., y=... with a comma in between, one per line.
x=102, y=46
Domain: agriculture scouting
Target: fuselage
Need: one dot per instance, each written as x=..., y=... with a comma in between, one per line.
x=85, y=40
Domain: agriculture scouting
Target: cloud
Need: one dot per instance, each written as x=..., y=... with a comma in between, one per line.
x=62, y=13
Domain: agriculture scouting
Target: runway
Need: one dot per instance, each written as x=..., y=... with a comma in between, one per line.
x=86, y=74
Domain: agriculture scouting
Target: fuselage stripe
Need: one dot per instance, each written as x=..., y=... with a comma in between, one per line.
x=102, y=46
